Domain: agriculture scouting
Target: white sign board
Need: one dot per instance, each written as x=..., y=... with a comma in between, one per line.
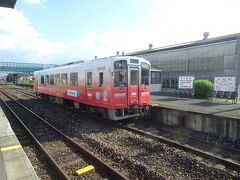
x=73, y=93
x=185, y=82
x=225, y=84
x=239, y=91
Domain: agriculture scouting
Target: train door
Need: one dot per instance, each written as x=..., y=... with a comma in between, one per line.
x=133, y=88
x=89, y=87
x=144, y=90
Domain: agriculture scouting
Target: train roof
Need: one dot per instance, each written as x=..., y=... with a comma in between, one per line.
x=79, y=63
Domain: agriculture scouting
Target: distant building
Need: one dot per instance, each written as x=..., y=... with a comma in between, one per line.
x=204, y=59
x=155, y=84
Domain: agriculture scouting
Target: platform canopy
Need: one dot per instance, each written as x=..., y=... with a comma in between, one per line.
x=8, y=3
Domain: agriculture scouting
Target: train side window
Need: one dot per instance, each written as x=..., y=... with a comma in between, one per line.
x=46, y=79
x=64, y=79
x=57, y=79
x=100, y=79
x=74, y=79
x=89, y=79
x=42, y=79
x=52, y=79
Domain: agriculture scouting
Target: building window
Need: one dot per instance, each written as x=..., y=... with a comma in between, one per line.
x=74, y=79
x=166, y=83
x=64, y=79
x=100, y=79
x=46, y=79
x=57, y=79
x=42, y=79
x=89, y=79
x=51, y=79
x=174, y=83
x=155, y=77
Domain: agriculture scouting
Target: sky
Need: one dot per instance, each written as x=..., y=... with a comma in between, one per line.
x=57, y=32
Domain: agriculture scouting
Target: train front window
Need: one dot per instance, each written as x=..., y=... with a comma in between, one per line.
x=120, y=73
x=145, y=68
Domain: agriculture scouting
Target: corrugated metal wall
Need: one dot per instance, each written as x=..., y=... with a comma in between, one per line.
x=203, y=62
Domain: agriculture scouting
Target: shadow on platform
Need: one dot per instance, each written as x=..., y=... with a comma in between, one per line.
x=208, y=104
x=172, y=99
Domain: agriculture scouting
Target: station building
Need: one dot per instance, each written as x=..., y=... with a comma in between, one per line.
x=204, y=59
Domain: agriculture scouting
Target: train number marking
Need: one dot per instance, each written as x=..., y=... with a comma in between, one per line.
x=73, y=93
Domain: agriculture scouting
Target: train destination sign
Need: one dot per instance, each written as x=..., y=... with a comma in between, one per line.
x=225, y=84
x=185, y=82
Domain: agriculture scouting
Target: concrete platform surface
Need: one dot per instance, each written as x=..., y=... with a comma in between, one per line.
x=198, y=105
x=14, y=163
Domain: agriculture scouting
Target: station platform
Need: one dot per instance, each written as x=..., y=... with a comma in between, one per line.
x=14, y=163
x=197, y=105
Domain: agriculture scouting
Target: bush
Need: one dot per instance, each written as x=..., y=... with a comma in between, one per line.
x=202, y=88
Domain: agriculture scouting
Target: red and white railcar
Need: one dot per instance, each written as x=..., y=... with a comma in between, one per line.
x=117, y=87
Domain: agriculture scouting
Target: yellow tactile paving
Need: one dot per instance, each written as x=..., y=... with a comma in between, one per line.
x=10, y=147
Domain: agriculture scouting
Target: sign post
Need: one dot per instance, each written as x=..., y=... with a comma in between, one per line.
x=239, y=92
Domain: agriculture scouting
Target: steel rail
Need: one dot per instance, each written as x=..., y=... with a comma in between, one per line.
x=230, y=149
x=27, y=93
x=228, y=163
x=50, y=160
x=97, y=160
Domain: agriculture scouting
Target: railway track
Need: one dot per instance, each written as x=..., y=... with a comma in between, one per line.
x=187, y=137
x=37, y=158
x=66, y=157
x=222, y=150
x=228, y=163
x=24, y=92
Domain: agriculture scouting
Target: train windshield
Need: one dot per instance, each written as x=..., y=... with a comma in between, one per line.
x=145, y=68
x=120, y=73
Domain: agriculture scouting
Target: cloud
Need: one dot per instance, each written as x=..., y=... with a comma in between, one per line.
x=186, y=20
x=35, y=2
x=107, y=43
x=18, y=35
x=19, y=41
x=168, y=22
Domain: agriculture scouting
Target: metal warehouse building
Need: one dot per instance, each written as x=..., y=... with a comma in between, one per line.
x=204, y=59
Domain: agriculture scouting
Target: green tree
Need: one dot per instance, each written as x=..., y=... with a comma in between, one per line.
x=202, y=88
